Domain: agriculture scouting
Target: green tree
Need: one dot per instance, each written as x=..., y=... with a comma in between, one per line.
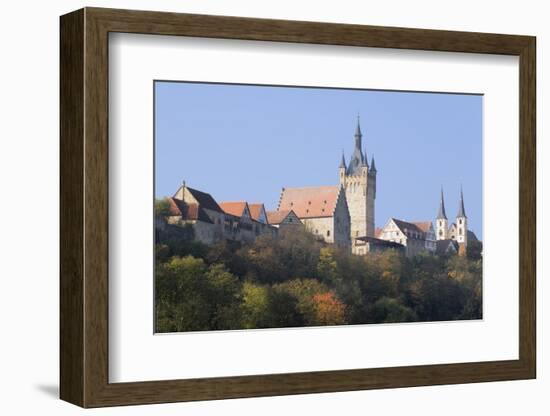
x=227, y=253
x=283, y=310
x=223, y=292
x=190, y=296
x=388, y=310
x=255, y=306
x=327, y=267
x=474, y=250
x=303, y=291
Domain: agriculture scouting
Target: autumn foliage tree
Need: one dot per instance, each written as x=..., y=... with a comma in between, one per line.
x=328, y=309
x=295, y=280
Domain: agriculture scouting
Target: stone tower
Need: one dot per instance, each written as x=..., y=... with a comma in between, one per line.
x=442, y=224
x=359, y=183
x=461, y=222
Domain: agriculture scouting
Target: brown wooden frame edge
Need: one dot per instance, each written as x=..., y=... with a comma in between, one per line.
x=84, y=207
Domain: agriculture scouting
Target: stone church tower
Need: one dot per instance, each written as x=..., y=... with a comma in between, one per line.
x=359, y=182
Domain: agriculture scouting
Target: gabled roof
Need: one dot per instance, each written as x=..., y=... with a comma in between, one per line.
x=312, y=202
x=425, y=226
x=256, y=210
x=277, y=217
x=405, y=226
x=237, y=208
x=377, y=232
x=444, y=246
x=187, y=211
x=203, y=199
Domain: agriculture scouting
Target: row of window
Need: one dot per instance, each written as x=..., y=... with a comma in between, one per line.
x=328, y=232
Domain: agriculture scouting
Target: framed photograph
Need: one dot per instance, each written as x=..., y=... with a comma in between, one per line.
x=255, y=207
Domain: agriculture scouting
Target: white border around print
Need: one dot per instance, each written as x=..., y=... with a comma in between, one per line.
x=135, y=354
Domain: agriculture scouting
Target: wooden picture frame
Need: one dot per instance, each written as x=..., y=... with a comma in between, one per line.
x=84, y=207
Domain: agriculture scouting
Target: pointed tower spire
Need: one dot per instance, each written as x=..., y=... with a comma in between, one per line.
x=358, y=135
x=461, y=210
x=357, y=159
x=343, y=161
x=372, y=165
x=441, y=215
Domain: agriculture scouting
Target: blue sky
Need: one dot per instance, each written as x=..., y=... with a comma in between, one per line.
x=242, y=142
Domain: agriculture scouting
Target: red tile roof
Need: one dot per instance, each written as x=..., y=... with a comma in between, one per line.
x=423, y=225
x=377, y=232
x=234, y=208
x=187, y=211
x=277, y=217
x=256, y=210
x=310, y=202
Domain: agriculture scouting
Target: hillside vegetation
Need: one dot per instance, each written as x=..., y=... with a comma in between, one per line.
x=297, y=281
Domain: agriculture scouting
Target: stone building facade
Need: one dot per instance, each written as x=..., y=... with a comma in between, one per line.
x=323, y=210
x=212, y=222
x=359, y=182
x=199, y=209
x=408, y=234
x=429, y=234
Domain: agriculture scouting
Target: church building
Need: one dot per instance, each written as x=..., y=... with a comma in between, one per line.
x=458, y=230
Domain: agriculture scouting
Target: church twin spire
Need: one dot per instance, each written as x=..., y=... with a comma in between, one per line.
x=441, y=215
